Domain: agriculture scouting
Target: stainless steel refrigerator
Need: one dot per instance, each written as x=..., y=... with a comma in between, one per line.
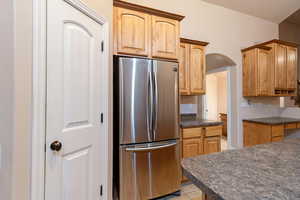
x=147, y=147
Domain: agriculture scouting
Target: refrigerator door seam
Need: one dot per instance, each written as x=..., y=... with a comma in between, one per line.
x=121, y=102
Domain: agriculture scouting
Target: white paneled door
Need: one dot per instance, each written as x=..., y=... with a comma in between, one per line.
x=75, y=138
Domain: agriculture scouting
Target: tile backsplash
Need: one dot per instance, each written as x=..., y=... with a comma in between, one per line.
x=189, y=105
x=188, y=108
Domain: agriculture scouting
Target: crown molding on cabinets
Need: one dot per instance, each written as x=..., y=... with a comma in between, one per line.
x=152, y=11
x=196, y=42
x=265, y=47
x=258, y=46
x=281, y=42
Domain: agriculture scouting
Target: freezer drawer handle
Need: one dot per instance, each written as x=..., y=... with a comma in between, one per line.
x=138, y=149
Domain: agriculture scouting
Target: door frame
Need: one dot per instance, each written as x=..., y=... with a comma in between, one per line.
x=230, y=83
x=39, y=66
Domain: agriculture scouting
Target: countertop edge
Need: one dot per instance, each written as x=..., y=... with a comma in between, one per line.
x=205, y=124
x=269, y=123
x=206, y=190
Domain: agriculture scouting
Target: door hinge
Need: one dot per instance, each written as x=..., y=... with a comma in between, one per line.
x=102, y=46
x=101, y=118
x=101, y=190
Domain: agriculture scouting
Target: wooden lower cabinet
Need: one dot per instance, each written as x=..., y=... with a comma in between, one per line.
x=255, y=133
x=277, y=139
x=192, y=147
x=198, y=141
x=212, y=145
x=291, y=126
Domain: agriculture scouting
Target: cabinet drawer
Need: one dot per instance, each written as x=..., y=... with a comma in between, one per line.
x=291, y=126
x=277, y=139
x=192, y=132
x=298, y=125
x=277, y=131
x=213, y=131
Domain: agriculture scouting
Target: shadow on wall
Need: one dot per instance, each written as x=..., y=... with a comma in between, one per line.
x=215, y=61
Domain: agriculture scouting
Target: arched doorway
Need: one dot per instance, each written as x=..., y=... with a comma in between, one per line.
x=217, y=103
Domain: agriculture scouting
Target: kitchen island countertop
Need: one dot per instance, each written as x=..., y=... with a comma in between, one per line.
x=263, y=172
x=273, y=120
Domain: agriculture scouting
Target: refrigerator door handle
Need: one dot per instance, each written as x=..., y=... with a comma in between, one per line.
x=141, y=149
x=155, y=99
x=150, y=104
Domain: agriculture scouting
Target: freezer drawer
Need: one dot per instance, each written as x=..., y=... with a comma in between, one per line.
x=149, y=171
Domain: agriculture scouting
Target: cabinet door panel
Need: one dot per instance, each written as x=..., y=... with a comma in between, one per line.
x=277, y=130
x=255, y=134
x=192, y=147
x=249, y=74
x=212, y=145
x=291, y=68
x=132, y=32
x=165, y=37
x=280, y=68
x=264, y=75
x=184, y=57
x=197, y=69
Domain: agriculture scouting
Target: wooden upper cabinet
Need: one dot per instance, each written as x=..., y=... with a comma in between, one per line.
x=249, y=73
x=270, y=69
x=197, y=69
x=264, y=72
x=146, y=32
x=280, y=67
x=192, y=67
x=256, y=72
x=291, y=68
x=133, y=32
x=184, y=85
x=165, y=37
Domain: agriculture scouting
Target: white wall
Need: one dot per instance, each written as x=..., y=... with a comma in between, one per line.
x=22, y=100
x=6, y=99
x=228, y=32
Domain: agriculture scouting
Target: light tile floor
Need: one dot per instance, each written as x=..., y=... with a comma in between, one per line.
x=188, y=192
x=224, y=145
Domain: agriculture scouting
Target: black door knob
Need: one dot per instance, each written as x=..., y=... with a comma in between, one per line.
x=56, y=146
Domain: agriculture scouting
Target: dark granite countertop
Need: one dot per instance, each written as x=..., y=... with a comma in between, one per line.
x=263, y=172
x=191, y=121
x=199, y=123
x=273, y=120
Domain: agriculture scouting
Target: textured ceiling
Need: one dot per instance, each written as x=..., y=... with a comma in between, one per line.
x=271, y=10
